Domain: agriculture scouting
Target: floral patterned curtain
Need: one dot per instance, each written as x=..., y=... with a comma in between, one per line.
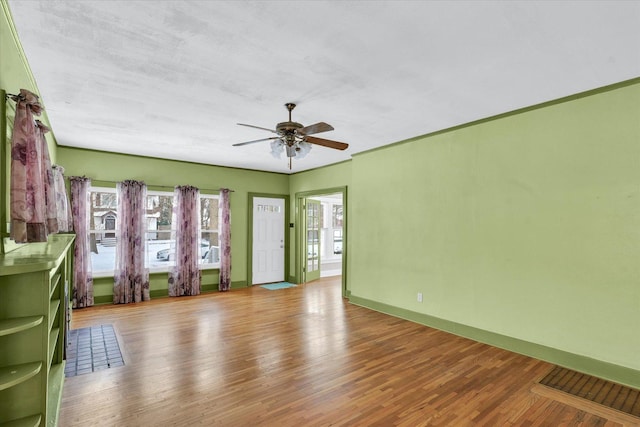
x=184, y=276
x=50, y=202
x=65, y=222
x=28, y=202
x=82, y=277
x=131, y=278
x=225, y=240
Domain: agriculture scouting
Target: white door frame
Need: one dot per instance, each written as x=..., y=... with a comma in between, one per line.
x=251, y=196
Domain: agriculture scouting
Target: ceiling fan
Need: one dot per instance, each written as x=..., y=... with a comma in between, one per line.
x=295, y=138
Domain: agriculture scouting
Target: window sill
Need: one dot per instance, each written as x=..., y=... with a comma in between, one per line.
x=103, y=274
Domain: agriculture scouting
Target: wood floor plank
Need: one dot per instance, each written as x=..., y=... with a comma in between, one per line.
x=301, y=356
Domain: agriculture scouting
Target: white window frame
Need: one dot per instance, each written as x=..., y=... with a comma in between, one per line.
x=96, y=231
x=148, y=231
x=156, y=269
x=211, y=265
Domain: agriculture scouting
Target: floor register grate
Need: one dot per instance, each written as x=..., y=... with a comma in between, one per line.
x=92, y=349
x=607, y=393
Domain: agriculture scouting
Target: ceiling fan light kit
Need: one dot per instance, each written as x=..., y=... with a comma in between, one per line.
x=294, y=138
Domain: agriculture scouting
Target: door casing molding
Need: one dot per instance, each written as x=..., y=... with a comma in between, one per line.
x=250, y=197
x=299, y=235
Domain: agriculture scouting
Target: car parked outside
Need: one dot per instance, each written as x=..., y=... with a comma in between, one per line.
x=170, y=253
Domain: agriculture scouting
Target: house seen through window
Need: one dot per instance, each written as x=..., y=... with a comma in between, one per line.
x=160, y=236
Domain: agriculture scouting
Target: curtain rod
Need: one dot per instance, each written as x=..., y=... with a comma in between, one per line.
x=202, y=189
x=12, y=97
x=98, y=181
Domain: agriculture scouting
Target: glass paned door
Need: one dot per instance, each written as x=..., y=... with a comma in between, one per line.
x=313, y=239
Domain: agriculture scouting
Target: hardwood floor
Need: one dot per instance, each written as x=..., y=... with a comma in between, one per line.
x=302, y=357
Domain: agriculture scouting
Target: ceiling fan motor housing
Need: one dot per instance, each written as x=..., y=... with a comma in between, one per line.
x=288, y=132
x=288, y=127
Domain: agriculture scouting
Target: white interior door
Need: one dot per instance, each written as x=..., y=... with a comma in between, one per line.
x=268, y=240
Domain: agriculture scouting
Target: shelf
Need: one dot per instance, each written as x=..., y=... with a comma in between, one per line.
x=54, y=284
x=17, y=324
x=54, y=397
x=36, y=256
x=53, y=340
x=34, y=279
x=53, y=311
x=16, y=374
x=32, y=421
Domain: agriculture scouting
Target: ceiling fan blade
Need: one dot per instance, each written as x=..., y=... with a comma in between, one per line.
x=257, y=127
x=326, y=142
x=239, y=144
x=315, y=128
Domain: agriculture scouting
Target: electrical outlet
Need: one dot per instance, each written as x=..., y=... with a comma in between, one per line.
x=419, y=296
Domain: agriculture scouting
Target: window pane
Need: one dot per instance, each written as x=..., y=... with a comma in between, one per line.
x=160, y=246
x=209, y=248
x=337, y=215
x=102, y=228
x=103, y=254
x=208, y=213
x=209, y=221
x=159, y=213
x=102, y=216
x=104, y=200
x=160, y=251
x=337, y=241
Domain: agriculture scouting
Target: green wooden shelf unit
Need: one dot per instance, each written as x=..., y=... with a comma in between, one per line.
x=34, y=282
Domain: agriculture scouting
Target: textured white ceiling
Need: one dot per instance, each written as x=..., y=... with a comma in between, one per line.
x=171, y=79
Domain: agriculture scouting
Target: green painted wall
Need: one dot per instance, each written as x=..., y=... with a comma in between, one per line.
x=526, y=226
x=102, y=166
x=15, y=74
x=337, y=175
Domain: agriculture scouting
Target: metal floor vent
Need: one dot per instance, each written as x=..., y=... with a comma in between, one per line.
x=612, y=395
x=92, y=349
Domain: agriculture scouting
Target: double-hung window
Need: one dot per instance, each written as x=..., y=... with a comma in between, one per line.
x=336, y=214
x=209, y=230
x=160, y=235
